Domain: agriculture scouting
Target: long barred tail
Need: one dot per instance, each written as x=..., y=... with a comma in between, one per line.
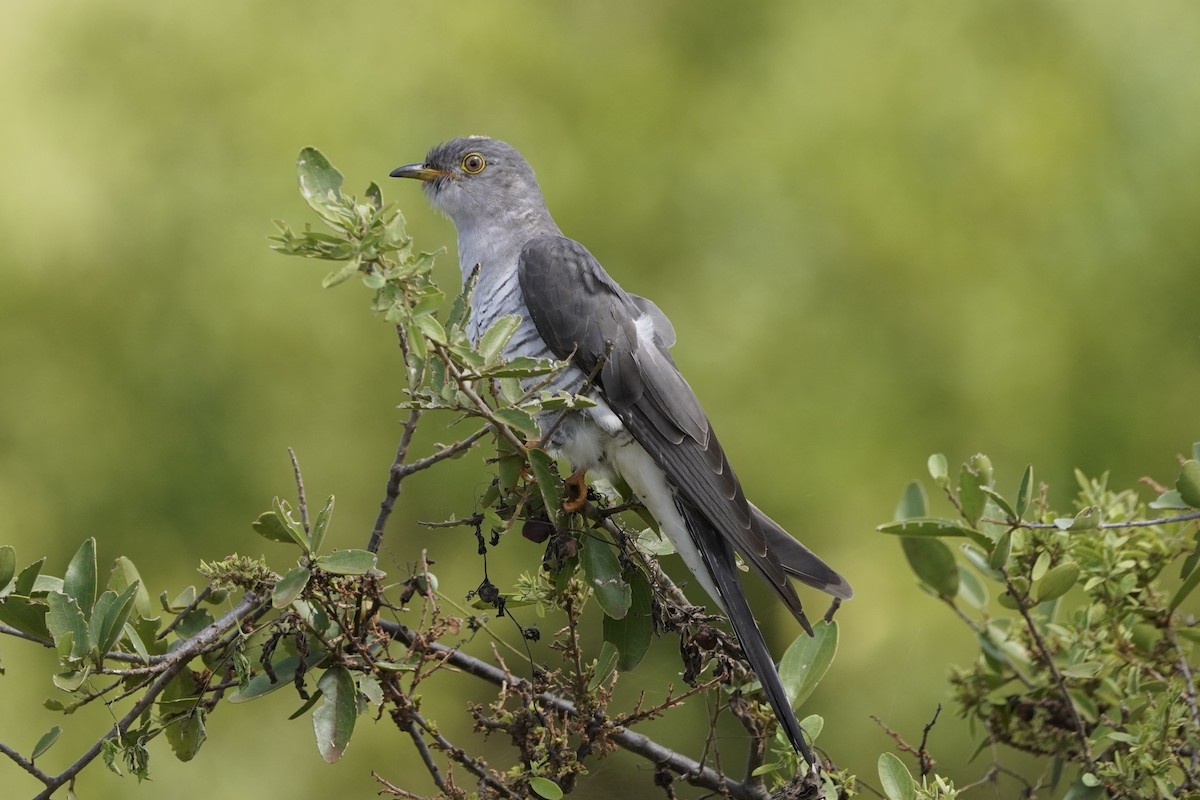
x=722, y=567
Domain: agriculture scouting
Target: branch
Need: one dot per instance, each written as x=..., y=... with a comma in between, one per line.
x=1080, y=732
x=24, y=763
x=1104, y=526
x=175, y=663
x=395, y=475
x=692, y=771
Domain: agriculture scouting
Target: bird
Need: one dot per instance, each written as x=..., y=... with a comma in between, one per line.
x=647, y=426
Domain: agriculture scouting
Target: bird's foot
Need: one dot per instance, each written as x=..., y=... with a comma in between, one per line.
x=575, y=494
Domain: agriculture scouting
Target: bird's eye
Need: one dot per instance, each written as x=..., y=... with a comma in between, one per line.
x=473, y=164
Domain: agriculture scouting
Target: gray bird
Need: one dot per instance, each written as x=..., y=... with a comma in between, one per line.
x=647, y=427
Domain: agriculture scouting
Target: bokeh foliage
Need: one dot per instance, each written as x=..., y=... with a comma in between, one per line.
x=956, y=226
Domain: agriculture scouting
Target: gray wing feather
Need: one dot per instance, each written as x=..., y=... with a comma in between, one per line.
x=582, y=314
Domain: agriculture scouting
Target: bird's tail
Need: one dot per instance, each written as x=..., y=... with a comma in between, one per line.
x=797, y=560
x=719, y=558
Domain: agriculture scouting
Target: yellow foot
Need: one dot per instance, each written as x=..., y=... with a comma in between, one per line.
x=575, y=494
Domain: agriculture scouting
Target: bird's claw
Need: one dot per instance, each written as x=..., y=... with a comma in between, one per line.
x=575, y=495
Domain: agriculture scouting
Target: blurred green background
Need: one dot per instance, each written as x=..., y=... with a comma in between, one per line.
x=942, y=227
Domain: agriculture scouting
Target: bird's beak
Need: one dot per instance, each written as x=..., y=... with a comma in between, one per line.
x=421, y=172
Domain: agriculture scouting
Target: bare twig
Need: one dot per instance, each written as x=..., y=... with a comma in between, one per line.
x=926, y=761
x=301, y=500
x=692, y=771
x=25, y=764
x=426, y=756
x=395, y=476
x=475, y=766
x=1104, y=526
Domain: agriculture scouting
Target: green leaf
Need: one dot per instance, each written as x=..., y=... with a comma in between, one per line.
x=548, y=483
x=27, y=578
x=805, y=661
x=375, y=196
x=1025, y=492
x=320, y=183
x=333, y=721
x=1057, y=582
x=812, y=725
x=79, y=582
x=71, y=680
x=293, y=526
x=545, y=788
x=321, y=526
x=109, y=617
x=602, y=571
x=342, y=273
x=347, y=562
x=194, y=622
x=998, y=499
x=491, y=344
x=1188, y=483
x=270, y=527
x=26, y=615
x=897, y=782
x=1041, y=566
x=521, y=367
x=8, y=567
x=939, y=470
x=67, y=626
x=976, y=473
x=1001, y=552
x=261, y=684
x=1086, y=520
x=934, y=526
x=631, y=634
x=913, y=503
x=518, y=420
x=933, y=562
x=606, y=665
x=183, y=718
x=45, y=742
x=429, y=326
x=1168, y=501
x=1180, y=594
x=124, y=574
x=1084, y=669
x=290, y=586
x=971, y=589
x=186, y=733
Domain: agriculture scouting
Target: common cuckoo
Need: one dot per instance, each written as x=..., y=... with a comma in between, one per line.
x=647, y=426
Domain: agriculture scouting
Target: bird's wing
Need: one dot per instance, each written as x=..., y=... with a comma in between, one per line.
x=581, y=313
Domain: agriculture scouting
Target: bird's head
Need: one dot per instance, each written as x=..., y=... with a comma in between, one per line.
x=477, y=179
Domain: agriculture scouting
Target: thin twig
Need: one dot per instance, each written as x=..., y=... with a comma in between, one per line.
x=692, y=771
x=1077, y=722
x=301, y=500
x=426, y=756
x=476, y=767
x=1189, y=689
x=1104, y=526
x=25, y=764
x=395, y=476
x=481, y=405
x=200, y=598
x=926, y=761
x=179, y=658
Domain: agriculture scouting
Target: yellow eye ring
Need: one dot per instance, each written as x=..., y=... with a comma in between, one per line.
x=473, y=163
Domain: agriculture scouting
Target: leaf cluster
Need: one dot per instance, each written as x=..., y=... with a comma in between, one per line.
x=1084, y=654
